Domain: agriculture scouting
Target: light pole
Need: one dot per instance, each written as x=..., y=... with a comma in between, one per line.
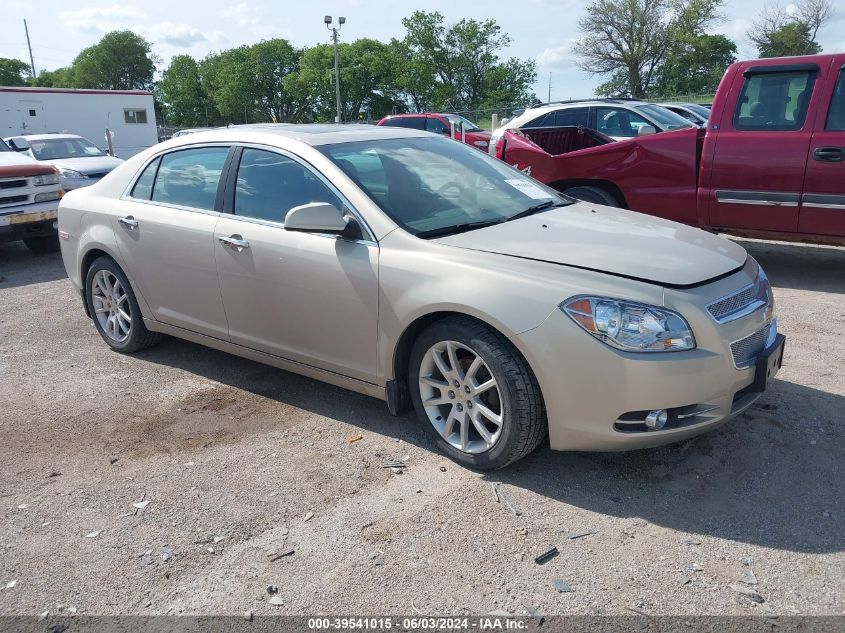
x=341, y=21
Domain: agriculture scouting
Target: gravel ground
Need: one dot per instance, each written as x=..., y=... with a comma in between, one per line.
x=233, y=461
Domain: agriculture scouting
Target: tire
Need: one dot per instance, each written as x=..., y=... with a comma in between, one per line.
x=104, y=270
x=43, y=245
x=515, y=398
x=594, y=195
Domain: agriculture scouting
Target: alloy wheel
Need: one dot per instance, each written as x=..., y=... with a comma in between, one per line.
x=461, y=397
x=111, y=306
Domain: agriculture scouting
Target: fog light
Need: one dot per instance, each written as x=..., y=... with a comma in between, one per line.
x=656, y=419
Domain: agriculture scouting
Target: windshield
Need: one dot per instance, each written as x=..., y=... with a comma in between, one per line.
x=55, y=148
x=666, y=119
x=469, y=126
x=700, y=110
x=433, y=185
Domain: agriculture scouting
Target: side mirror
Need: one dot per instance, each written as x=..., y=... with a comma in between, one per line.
x=645, y=130
x=504, y=121
x=19, y=143
x=322, y=217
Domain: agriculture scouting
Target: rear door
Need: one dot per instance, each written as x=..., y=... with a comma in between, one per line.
x=165, y=233
x=823, y=201
x=761, y=148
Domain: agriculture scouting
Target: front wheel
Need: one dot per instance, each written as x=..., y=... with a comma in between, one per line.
x=476, y=394
x=595, y=195
x=112, y=305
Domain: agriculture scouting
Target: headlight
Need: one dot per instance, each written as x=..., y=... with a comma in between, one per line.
x=629, y=326
x=46, y=179
x=48, y=195
x=72, y=173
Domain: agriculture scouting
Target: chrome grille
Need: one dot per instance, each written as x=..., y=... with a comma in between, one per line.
x=745, y=350
x=732, y=303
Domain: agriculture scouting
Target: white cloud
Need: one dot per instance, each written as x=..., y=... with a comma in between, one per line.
x=558, y=56
x=103, y=19
x=175, y=34
x=243, y=13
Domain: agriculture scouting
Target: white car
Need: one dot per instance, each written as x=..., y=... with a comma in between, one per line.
x=617, y=118
x=695, y=113
x=79, y=161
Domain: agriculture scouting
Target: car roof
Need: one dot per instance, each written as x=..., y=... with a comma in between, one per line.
x=46, y=137
x=308, y=133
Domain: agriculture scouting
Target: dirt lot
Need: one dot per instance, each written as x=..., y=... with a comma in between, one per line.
x=238, y=461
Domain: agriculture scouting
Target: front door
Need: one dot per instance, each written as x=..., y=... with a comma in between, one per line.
x=165, y=232
x=761, y=149
x=311, y=298
x=823, y=201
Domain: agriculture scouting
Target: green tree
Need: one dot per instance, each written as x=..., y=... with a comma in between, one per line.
x=273, y=61
x=121, y=60
x=227, y=78
x=631, y=39
x=14, y=72
x=696, y=66
x=366, y=86
x=463, y=61
x=59, y=78
x=184, y=101
x=780, y=32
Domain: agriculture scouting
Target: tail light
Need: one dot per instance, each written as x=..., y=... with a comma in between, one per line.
x=500, y=148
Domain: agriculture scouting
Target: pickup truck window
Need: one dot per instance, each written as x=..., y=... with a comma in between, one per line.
x=774, y=101
x=836, y=113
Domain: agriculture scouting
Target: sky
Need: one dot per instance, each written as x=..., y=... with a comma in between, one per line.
x=543, y=30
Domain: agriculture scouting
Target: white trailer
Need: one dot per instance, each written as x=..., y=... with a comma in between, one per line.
x=128, y=114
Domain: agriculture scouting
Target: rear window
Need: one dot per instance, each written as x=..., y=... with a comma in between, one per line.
x=190, y=177
x=412, y=122
x=774, y=101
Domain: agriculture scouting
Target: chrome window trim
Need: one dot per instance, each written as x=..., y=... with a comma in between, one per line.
x=127, y=191
x=368, y=233
x=280, y=225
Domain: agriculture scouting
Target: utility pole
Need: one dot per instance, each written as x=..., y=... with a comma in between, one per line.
x=328, y=22
x=29, y=46
x=550, y=86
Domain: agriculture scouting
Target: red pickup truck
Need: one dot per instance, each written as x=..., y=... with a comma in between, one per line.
x=770, y=162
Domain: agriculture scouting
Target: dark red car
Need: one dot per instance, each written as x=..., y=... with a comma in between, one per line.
x=770, y=163
x=446, y=124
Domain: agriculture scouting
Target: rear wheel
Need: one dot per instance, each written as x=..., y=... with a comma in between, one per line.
x=42, y=245
x=476, y=394
x=596, y=195
x=114, y=309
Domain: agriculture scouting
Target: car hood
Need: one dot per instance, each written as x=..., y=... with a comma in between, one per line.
x=86, y=165
x=15, y=158
x=613, y=241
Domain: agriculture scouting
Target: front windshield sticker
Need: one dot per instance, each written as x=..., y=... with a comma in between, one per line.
x=529, y=189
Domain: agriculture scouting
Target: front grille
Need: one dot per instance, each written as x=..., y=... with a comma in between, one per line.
x=12, y=184
x=745, y=350
x=13, y=200
x=733, y=303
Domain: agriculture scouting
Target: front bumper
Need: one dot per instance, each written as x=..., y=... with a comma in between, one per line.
x=68, y=184
x=30, y=221
x=597, y=397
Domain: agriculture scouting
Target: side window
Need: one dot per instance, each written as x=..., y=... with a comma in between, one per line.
x=437, y=126
x=575, y=117
x=144, y=185
x=619, y=122
x=413, y=122
x=269, y=185
x=774, y=101
x=190, y=177
x=836, y=113
x=540, y=121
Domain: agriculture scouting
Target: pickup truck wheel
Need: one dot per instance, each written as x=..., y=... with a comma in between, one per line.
x=594, y=195
x=476, y=394
x=114, y=309
x=43, y=245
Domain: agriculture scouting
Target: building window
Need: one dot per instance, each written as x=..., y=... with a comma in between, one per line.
x=135, y=116
x=32, y=113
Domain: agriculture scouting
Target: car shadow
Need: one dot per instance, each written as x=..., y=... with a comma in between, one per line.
x=800, y=266
x=21, y=267
x=771, y=477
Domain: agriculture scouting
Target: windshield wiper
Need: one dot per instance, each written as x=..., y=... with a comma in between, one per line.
x=548, y=204
x=457, y=228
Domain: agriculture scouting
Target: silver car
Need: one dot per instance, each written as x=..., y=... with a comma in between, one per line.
x=417, y=270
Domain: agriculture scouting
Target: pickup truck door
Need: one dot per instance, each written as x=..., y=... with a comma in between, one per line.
x=760, y=152
x=823, y=201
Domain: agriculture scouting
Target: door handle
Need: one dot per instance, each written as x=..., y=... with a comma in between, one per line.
x=829, y=154
x=235, y=242
x=129, y=222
